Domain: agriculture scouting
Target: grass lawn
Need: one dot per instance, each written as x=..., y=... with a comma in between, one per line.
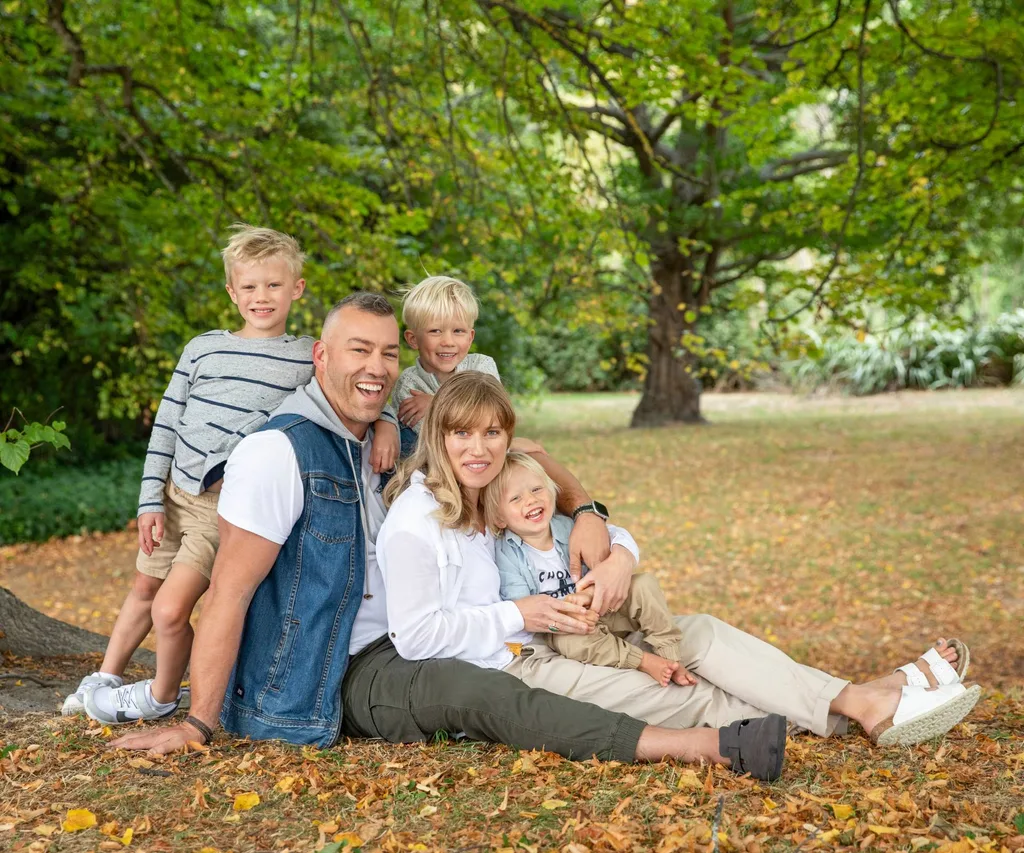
x=850, y=532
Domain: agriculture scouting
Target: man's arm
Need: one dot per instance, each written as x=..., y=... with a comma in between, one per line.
x=589, y=543
x=243, y=561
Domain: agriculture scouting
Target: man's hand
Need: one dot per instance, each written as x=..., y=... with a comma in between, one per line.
x=151, y=531
x=588, y=543
x=610, y=580
x=414, y=407
x=160, y=741
x=525, y=445
x=385, y=446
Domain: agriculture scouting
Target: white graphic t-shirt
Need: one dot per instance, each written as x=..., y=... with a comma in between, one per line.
x=552, y=574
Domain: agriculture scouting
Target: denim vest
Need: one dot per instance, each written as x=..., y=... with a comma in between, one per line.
x=517, y=576
x=286, y=683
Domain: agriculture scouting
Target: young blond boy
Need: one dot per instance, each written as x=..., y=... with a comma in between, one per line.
x=532, y=553
x=439, y=314
x=224, y=387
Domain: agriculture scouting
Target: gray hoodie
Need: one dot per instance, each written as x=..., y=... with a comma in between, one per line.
x=310, y=402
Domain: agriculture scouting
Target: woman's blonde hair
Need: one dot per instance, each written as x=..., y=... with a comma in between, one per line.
x=495, y=490
x=461, y=403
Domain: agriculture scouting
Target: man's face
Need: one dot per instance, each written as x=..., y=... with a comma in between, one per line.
x=357, y=364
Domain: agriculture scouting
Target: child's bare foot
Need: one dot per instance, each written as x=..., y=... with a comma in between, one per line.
x=684, y=677
x=658, y=668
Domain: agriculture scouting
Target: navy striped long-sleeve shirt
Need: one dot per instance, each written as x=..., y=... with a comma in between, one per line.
x=223, y=388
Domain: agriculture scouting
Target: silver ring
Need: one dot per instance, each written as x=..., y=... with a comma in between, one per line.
x=553, y=628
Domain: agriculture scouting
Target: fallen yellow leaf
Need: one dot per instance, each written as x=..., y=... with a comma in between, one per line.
x=286, y=784
x=689, y=779
x=427, y=811
x=350, y=839
x=841, y=811
x=109, y=828
x=244, y=802
x=46, y=829
x=126, y=839
x=883, y=830
x=553, y=804
x=79, y=819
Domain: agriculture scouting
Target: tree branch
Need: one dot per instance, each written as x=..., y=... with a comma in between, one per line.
x=804, y=163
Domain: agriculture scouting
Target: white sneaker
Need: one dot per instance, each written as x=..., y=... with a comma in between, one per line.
x=113, y=705
x=75, y=703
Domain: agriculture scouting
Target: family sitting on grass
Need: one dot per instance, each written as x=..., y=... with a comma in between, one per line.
x=478, y=589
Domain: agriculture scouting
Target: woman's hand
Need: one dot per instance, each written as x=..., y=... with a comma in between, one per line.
x=542, y=613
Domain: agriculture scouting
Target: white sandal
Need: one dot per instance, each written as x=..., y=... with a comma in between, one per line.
x=937, y=671
x=923, y=714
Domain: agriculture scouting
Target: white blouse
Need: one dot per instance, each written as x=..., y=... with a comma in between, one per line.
x=442, y=587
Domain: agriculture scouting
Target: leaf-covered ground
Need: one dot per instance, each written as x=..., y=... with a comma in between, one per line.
x=848, y=532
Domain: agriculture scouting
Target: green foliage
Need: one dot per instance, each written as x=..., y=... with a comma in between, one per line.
x=570, y=161
x=585, y=359
x=921, y=356
x=64, y=502
x=16, y=445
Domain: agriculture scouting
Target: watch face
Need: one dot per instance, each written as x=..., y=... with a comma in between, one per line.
x=601, y=509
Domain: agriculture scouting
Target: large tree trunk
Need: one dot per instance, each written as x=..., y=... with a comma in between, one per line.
x=671, y=391
x=25, y=632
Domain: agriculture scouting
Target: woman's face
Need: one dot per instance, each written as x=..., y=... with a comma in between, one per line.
x=477, y=453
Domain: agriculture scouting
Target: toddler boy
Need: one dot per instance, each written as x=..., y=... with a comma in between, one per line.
x=224, y=387
x=532, y=553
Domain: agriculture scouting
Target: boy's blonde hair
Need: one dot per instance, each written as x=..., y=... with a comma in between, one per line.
x=438, y=299
x=461, y=403
x=249, y=244
x=494, y=492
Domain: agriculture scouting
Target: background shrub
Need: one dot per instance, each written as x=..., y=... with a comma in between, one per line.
x=920, y=356
x=38, y=505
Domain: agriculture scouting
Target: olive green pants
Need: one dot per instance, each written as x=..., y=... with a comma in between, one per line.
x=404, y=701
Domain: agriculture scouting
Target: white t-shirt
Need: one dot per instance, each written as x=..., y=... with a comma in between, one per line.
x=552, y=574
x=262, y=493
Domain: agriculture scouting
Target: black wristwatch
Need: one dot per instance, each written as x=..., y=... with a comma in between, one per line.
x=596, y=507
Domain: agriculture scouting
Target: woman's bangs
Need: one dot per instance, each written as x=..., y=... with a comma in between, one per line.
x=480, y=410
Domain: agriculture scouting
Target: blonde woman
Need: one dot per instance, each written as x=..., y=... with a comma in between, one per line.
x=438, y=563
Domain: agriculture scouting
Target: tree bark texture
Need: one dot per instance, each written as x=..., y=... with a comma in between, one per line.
x=671, y=393
x=25, y=632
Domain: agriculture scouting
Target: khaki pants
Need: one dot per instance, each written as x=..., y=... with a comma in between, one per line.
x=645, y=611
x=191, y=536
x=740, y=676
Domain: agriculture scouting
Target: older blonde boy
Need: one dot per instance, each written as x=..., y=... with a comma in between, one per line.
x=532, y=553
x=438, y=314
x=224, y=387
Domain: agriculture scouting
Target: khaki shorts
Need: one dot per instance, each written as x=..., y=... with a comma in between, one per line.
x=190, y=534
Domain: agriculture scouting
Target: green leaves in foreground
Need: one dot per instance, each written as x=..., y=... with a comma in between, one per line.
x=16, y=445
